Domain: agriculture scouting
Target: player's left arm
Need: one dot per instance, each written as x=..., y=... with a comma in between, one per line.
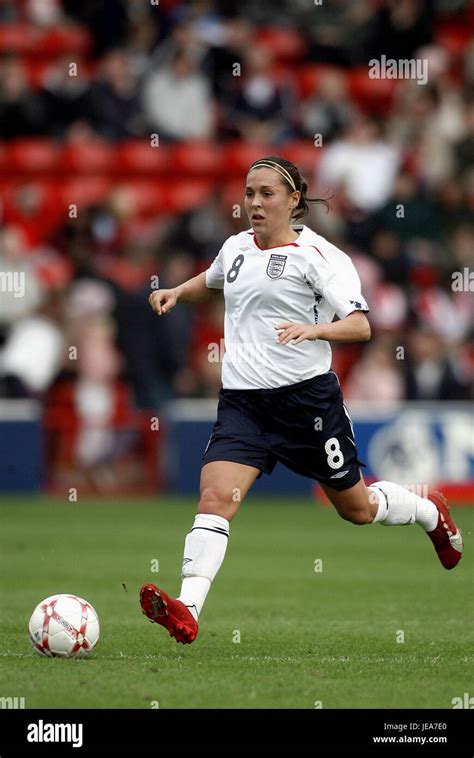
x=353, y=328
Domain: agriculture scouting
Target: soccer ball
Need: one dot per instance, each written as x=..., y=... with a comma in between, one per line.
x=64, y=625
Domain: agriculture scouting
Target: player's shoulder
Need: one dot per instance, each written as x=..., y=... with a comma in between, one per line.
x=239, y=241
x=315, y=244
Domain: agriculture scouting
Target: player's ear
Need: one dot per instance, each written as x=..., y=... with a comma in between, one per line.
x=295, y=198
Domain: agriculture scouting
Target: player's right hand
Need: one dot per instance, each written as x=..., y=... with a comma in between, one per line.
x=162, y=301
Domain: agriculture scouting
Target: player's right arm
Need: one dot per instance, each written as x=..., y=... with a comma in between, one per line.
x=195, y=290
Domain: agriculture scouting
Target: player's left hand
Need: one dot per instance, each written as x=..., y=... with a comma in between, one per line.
x=295, y=333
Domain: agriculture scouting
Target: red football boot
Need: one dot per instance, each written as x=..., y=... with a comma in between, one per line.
x=446, y=537
x=170, y=613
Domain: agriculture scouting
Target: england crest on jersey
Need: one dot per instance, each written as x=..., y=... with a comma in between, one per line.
x=276, y=265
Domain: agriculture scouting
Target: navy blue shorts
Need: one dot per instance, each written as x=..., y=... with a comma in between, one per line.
x=305, y=426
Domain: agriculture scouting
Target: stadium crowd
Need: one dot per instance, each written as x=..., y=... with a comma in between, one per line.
x=86, y=87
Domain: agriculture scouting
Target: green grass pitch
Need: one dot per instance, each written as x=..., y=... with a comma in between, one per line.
x=309, y=638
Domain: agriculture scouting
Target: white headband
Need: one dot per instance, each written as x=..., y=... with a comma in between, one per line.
x=276, y=167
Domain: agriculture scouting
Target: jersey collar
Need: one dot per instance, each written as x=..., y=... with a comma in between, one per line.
x=297, y=227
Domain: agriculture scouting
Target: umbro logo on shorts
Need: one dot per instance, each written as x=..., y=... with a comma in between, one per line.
x=276, y=265
x=339, y=474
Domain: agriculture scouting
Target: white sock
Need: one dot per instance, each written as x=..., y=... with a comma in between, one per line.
x=398, y=505
x=204, y=551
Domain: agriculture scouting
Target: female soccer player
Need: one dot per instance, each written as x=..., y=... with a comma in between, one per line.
x=280, y=401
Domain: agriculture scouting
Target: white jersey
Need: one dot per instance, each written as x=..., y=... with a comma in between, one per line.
x=304, y=282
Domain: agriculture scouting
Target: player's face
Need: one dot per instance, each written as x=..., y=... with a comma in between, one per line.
x=267, y=200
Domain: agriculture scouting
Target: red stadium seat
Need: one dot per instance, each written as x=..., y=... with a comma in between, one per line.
x=453, y=38
x=309, y=77
x=71, y=39
x=137, y=156
x=238, y=156
x=90, y=156
x=234, y=193
x=373, y=95
x=185, y=194
x=36, y=71
x=3, y=156
x=32, y=155
x=26, y=39
x=6, y=187
x=284, y=43
x=145, y=196
x=35, y=205
x=469, y=18
x=196, y=157
x=304, y=154
x=18, y=38
x=85, y=191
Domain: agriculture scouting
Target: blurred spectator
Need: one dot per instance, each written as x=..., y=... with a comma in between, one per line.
x=98, y=367
x=431, y=372
x=43, y=13
x=338, y=32
x=378, y=359
x=328, y=111
x=107, y=21
x=90, y=415
x=400, y=27
x=9, y=12
x=114, y=100
x=261, y=109
x=144, y=33
x=156, y=349
x=66, y=98
x=409, y=212
x=177, y=100
x=389, y=307
x=452, y=205
x=362, y=165
x=427, y=121
x=461, y=245
x=469, y=64
x=22, y=112
x=23, y=298
x=181, y=37
x=449, y=314
x=390, y=256
x=31, y=357
x=133, y=265
x=202, y=230
x=226, y=50
x=31, y=342
x=464, y=148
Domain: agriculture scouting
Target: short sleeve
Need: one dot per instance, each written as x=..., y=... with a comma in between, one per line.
x=215, y=272
x=338, y=282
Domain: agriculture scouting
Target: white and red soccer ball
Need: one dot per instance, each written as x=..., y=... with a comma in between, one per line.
x=64, y=625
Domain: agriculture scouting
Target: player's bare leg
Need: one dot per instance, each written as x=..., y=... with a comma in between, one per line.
x=390, y=505
x=224, y=484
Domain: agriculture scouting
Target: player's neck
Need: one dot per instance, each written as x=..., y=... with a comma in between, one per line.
x=277, y=239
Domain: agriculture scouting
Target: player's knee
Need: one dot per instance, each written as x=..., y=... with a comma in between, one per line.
x=357, y=516
x=215, y=501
